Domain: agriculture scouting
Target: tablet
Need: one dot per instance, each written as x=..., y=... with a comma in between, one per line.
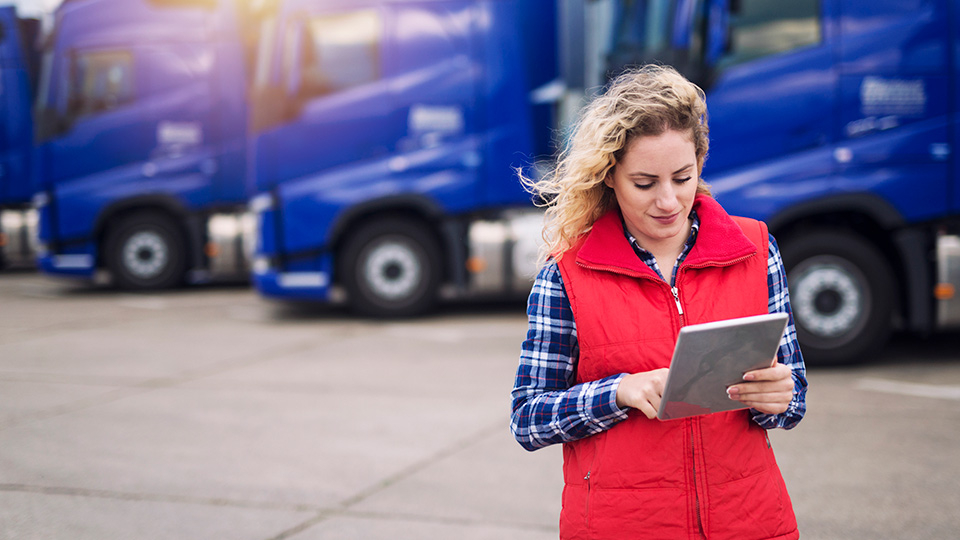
x=710, y=357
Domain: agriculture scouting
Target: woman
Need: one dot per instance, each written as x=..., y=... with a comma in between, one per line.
x=638, y=249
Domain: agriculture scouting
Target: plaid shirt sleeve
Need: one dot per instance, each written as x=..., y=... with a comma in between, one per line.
x=548, y=407
x=789, y=352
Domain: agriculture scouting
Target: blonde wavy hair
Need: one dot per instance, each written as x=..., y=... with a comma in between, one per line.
x=644, y=101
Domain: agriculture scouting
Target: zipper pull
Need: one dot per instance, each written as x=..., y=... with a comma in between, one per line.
x=676, y=298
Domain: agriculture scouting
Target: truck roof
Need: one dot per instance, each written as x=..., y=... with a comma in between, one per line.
x=103, y=23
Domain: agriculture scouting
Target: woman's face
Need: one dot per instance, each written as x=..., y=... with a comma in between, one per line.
x=655, y=183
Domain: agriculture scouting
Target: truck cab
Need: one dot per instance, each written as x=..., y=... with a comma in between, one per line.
x=140, y=128
x=834, y=121
x=18, y=83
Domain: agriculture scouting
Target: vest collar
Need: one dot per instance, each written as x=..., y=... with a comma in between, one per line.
x=720, y=241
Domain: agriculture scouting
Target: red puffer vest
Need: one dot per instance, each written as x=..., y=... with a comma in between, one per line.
x=710, y=476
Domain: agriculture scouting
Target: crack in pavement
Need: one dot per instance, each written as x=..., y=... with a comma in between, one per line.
x=155, y=497
x=321, y=512
x=347, y=504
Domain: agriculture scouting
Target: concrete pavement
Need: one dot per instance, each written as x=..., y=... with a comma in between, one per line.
x=210, y=413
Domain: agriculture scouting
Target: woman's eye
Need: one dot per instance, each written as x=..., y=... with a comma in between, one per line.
x=643, y=186
x=683, y=180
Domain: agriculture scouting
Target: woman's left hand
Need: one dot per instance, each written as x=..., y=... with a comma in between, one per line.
x=767, y=390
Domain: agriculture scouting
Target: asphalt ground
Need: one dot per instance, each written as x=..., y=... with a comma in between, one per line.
x=211, y=413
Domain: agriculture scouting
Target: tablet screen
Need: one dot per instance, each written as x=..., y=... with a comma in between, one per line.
x=712, y=356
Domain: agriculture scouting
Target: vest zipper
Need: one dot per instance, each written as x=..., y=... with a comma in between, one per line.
x=696, y=493
x=586, y=511
x=676, y=298
x=719, y=264
x=696, y=499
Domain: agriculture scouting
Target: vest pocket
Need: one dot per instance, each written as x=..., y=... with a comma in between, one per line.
x=752, y=508
x=637, y=514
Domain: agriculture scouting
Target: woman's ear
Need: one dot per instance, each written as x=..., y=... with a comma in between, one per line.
x=608, y=179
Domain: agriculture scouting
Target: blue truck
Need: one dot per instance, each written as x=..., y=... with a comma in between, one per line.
x=19, y=66
x=835, y=121
x=384, y=175
x=378, y=139
x=383, y=145
x=140, y=126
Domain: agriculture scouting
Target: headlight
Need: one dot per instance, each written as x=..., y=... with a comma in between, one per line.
x=261, y=265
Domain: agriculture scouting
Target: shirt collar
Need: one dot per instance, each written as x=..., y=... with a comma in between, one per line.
x=687, y=246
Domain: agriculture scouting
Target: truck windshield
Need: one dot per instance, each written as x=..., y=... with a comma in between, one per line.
x=758, y=28
x=344, y=50
x=643, y=25
x=661, y=31
x=675, y=32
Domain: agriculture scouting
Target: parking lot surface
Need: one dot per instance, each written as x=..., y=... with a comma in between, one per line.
x=211, y=413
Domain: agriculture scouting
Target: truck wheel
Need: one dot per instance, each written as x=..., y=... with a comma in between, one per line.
x=391, y=268
x=842, y=293
x=146, y=252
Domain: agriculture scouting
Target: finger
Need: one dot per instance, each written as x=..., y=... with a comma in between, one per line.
x=785, y=385
x=770, y=397
x=777, y=372
x=771, y=401
x=648, y=409
x=760, y=391
x=655, y=403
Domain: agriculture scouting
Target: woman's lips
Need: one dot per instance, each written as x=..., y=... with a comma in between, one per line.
x=666, y=220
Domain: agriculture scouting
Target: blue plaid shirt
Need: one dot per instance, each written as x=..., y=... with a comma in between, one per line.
x=549, y=407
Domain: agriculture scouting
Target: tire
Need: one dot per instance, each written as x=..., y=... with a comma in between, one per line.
x=391, y=268
x=146, y=252
x=842, y=293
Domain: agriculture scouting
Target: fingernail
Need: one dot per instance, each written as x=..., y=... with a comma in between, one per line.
x=748, y=376
x=731, y=392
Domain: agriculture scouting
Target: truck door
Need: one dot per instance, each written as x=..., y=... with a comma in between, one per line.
x=381, y=100
x=177, y=103
x=895, y=93
x=751, y=57
x=772, y=88
x=91, y=98
x=332, y=64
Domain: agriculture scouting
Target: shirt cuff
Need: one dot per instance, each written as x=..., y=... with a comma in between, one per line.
x=603, y=407
x=785, y=420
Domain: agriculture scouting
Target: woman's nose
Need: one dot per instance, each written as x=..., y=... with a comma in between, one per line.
x=666, y=196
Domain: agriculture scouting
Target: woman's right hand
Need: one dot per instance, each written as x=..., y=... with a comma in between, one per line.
x=642, y=391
